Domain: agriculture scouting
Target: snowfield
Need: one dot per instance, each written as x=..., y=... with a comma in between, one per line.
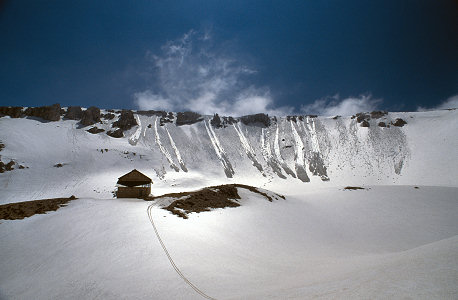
x=385, y=242
x=397, y=238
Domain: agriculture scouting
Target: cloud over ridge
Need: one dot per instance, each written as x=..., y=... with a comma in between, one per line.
x=332, y=106
x=449, y=103
x=192, y=73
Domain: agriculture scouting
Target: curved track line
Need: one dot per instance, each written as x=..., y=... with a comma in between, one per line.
x=171, y=260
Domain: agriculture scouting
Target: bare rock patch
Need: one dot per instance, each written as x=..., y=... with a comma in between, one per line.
x=209, y=198
x=21, y=210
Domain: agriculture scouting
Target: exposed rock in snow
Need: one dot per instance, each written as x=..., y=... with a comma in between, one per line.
x=151, y=113
x=206, y=199
x=116, y=133
x=378, y=114
x=12, y=111
x=48, y=113
x=256, y=120
x=126, y=120
x=90, y=116
x=399, y=122
x=108, y=116
x=188, y=118
x=166, y=119
x=216, y=121
x=73, y=113
x=95, y=130
x=8, y=166
x=21, y=210
x=365, y=123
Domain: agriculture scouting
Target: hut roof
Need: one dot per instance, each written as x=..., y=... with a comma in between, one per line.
x=134, y=178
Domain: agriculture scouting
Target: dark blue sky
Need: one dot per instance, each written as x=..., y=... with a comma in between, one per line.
x=99, y=52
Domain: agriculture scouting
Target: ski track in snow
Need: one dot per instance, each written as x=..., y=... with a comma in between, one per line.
x=172, y=262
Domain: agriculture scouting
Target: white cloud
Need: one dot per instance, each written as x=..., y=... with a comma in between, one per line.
x=332, y=106
x=451, y=102
x=253, y=100
x=193, y=74
x=149, y=101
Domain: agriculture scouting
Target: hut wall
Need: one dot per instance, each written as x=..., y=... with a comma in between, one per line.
x=133, y=192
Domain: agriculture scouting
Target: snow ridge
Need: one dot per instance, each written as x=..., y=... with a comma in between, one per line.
x=331, y=151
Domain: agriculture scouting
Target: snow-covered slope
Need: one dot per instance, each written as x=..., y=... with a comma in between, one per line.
x=388, y=242
x=313, y=151
x=395, y=239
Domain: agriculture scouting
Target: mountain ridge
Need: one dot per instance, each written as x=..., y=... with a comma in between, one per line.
x=189, y=150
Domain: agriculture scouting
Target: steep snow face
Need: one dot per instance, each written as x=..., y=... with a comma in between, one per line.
x=299, y=150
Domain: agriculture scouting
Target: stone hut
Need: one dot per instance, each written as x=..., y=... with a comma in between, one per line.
x=134, y=185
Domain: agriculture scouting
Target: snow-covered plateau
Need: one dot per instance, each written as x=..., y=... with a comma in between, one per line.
x=395, y=239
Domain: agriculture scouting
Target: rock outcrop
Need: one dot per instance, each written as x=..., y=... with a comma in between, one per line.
x=126, y=120
x=48, y=113
x=377, y=114
x=188, y=118
x=108, y=116
x=7, y=167
x=90, y=116
x=73, y=113
x=256, y=120
x=116, y=134
x=223, y=122
x=399, y=122
x=150, y=113
x=166, y=119
x=95, y=130
x=12, y=111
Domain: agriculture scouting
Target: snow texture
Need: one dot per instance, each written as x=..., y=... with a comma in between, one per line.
x=390, y=240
